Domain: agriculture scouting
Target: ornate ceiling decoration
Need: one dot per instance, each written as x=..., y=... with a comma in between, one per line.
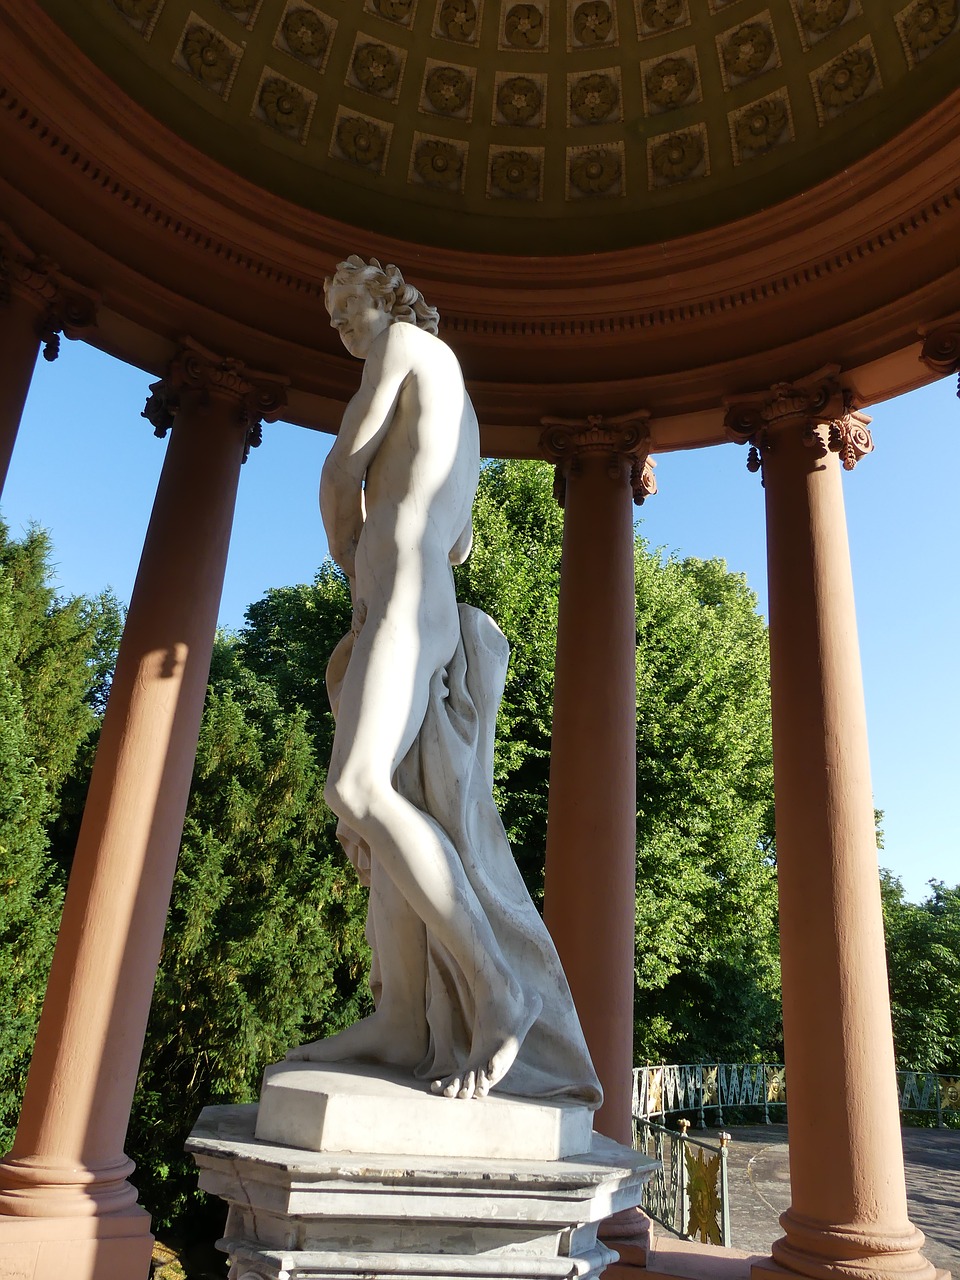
x=547, y=125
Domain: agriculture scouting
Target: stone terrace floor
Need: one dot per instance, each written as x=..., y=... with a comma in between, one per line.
x=759, y=1182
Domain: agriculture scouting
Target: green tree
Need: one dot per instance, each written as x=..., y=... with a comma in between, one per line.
x=707, y=948
x=923, y=963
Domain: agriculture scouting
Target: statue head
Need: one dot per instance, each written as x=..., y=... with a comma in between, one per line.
x=384, y=287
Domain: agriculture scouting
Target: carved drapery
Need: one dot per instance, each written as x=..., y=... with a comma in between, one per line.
x=625, y=440
x=61, y=305
x=941, y=350
x=196, y=375
x=818, y=406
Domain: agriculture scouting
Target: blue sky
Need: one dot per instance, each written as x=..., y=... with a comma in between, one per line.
x=86, y=467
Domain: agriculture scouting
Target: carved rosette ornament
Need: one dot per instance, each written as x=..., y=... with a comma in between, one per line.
x=596, y=171
x=846, y=79
x=523, y=28
x=377, y=69
x=746, y=51
x=395, y=10
x=928, y=24
x=624, y=441
x=60, y=305
x=196, y=376
x=516, y=174
x=816, y=406
x=306, y=33
x=458, y=20
x=438, y=163
x=678, y=157
x=761, y=126
x=447, y=89
x=594, y=97
x=284, y=105
x=207, y=56
x=592, y=22
x=817, y=17
x=941, y=350
x=519, y=100
x=361, y=141
x=661, y=15
x=670, y=82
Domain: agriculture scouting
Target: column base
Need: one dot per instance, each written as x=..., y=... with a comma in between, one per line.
x=630, y=1233
x=109, y=1248
x=823, y=1251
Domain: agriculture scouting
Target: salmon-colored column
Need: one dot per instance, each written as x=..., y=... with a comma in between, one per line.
x=590, y=891
x=35, y=305
x=848, y=1212
x=68, y=1206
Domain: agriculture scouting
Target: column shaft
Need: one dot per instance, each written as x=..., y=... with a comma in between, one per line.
x=590, y=896
x=67, y=1161
x=848, y=1214
x=19, y=345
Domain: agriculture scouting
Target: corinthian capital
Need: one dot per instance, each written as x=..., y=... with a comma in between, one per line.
x=624, y=441
x=196, y=377
x=941, y=349
x=818, y=407
x=61, y=305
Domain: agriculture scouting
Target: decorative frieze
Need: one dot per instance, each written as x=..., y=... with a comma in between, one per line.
x=196, y=376
x=624, y=441
x=817, y=406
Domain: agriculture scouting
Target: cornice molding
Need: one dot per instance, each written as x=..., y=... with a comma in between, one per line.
x=177, y=243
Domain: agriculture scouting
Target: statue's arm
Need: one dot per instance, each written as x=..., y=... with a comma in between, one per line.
x=366, y=421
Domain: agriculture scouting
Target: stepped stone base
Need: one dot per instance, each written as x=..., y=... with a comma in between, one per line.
x=323, y=1215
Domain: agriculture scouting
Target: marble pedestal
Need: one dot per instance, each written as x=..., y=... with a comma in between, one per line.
x=296, y=1214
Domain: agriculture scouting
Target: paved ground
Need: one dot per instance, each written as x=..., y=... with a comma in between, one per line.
x=759, y=1181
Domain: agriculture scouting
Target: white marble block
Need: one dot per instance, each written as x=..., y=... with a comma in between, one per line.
x=355, y=1109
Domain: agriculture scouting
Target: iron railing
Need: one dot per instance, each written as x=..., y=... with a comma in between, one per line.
x=688, y=1193
x=705, y=1089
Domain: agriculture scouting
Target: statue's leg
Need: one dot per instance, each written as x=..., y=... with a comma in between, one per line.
x=396, y=1033
x=382, y=706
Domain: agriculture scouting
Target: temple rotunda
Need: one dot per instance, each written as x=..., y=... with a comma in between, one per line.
x=648, y=225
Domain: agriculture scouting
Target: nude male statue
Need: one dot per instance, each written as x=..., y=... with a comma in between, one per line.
x=396, y=494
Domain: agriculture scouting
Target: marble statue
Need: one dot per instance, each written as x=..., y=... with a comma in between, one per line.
x=468, y=989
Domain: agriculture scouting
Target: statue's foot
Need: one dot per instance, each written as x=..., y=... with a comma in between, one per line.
x=377, y=1038
x=489, y=1066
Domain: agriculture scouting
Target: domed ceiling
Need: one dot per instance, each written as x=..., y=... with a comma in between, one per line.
x=538, y=126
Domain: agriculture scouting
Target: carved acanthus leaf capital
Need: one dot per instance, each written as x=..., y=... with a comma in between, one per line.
x=623, y=440
x=817, y=406
x=941, y=349
x=62, y=306
x=196, y=376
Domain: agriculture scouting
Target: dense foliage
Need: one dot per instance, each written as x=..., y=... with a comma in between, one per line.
x=923, y=962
